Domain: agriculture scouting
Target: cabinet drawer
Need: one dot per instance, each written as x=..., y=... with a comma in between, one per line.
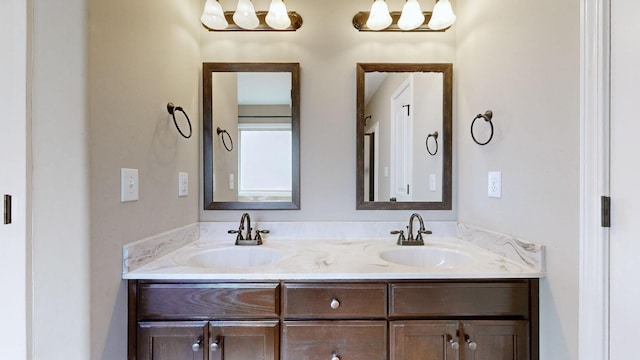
x=334, y=301
x=459, y=299
x=208, y=301
x=353, y=340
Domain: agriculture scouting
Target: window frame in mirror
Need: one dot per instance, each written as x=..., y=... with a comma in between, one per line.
x=447, y=107
x=208, y=69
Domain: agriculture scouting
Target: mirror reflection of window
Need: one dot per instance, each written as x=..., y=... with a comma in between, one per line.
x=264, y=134
x=264, y=162
x=257, y=105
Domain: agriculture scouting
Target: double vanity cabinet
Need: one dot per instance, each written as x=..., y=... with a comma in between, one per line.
x=461, y=319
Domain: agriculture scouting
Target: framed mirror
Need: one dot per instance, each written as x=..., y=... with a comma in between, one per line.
x=404, y=136
x=251, y=136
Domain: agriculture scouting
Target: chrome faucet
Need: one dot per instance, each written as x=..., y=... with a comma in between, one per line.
x=246, y=238
x=411, y=240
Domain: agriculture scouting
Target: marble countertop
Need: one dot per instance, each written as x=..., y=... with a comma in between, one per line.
x=328, y=259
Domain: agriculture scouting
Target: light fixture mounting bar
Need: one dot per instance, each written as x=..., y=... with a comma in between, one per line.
x=360, y=22
x=296, y=22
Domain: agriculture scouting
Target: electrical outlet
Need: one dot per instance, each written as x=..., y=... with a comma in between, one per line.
x=432, y=182
x=183, y=184
x=128, y=185
x=495, y=184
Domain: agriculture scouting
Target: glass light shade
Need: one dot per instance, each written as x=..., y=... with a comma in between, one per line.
x=213, y=16
x=411, y=16
x=379, y=17
x=442, y=16
x=278, y=17
x=245, y=15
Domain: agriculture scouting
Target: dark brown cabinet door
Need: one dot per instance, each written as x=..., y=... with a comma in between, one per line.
x=419, y=340
x=180, y=340
x=495, y=340
x=244, y=340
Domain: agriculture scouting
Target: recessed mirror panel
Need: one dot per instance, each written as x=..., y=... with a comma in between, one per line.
x=404, y=132
x=251, y=136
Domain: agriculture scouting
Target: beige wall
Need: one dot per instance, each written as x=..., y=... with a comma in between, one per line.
x=427, y=108
x=145, y=53
x=528, y=75
x=142, y=54
x=60, y=187
x=327, y=48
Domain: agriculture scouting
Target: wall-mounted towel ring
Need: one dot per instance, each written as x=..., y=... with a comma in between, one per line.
x=487, y=116
x=172, y=110
x=435, y=139
x=224, y=142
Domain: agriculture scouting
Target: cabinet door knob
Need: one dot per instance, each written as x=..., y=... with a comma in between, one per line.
x=335, y=303
x=472, y=345
x=335, y=357
x=214, y=345
x=196, y=345
x=454, y=344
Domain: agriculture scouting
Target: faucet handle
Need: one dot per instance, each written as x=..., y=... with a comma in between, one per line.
x=259, y=233
x=400, y=234
x=421, y=231
x=239, y=237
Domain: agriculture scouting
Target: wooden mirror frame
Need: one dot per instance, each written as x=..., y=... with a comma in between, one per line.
x=208, y=134
x=447, y=111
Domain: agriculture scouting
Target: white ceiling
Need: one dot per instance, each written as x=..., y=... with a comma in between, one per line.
x=264, y=88
x=372, y=82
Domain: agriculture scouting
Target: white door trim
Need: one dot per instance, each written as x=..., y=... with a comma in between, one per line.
x=594, y=180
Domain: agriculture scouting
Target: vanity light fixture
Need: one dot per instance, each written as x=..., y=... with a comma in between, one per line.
x=246, y=18
x=412, y=18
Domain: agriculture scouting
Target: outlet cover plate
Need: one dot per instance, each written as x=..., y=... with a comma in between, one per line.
x=183, y=184
x=495, y=184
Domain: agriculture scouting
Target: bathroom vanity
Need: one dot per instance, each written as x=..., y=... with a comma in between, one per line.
x=391, y=319
x=332, y=299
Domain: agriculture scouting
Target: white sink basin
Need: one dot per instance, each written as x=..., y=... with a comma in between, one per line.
x=234, y=257
x=427, y=257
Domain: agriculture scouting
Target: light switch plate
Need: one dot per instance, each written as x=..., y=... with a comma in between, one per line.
x=183, y=184
x=128, y=185
x=495, y=184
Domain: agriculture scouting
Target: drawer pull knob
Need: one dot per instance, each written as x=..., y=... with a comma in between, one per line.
x=335, y=357
x=214, y=346
x=334, y=305
x=196, y=345
x=472, y=345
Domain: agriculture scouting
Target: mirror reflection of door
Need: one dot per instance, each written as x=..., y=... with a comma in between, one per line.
x=369, y=165
x=405, y=107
